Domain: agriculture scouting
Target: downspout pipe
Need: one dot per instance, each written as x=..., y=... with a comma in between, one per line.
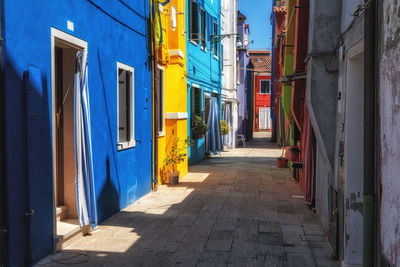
x=370, y=136
x=155, y=103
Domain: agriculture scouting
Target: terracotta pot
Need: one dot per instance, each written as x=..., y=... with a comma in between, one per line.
x=292, y=153
x=281, y=162
x=173, y=177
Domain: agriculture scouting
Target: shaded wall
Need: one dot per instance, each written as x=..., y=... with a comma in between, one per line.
x=321, y=97
x=389, y=127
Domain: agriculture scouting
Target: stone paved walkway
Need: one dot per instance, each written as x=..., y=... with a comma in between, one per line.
x=236, y=209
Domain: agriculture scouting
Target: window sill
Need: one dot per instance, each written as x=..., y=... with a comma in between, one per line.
x=161, y=134
x=194, y=42
x=215, y=57
x=126, y=145
x=203, y=49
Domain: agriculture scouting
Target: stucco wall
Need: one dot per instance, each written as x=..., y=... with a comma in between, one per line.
x=389, y=102
x=120, y=177
x=175, y=87
x=321, y=99
x=203, y=69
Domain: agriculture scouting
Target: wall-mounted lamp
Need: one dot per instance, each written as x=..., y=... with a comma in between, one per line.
x=218, y=38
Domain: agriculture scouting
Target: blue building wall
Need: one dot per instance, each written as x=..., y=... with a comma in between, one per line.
x=114, y=31
x=203, y=69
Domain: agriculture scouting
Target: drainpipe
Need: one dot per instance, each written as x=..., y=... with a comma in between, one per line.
x=370, y=137
x=155, y=105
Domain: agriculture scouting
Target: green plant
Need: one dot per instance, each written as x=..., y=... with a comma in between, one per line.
x=224, y=127
x=282, y=154
x=177, y=152
x=199, y=128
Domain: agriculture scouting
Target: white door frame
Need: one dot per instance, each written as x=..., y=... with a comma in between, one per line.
x=67, y=39
x=353, y=148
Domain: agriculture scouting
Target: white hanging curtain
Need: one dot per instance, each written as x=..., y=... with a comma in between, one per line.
x=85, y=194
x=213, y=136
x=227, y=139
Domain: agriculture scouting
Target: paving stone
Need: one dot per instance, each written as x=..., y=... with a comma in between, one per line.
x=189, y=251
x=165, y=246
x=292, y=228
x=214, y=258
x=174, y=233
x=234, y=209
x=271, y=260
x=242, y=262
x=274, y=239
x=220, y=241
x=246, y=239
x=293, y=239
x=298, y=249
x=299, y=260
x=268, y=227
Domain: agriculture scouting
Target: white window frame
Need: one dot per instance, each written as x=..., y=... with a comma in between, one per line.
x=203, y=46
x=132, y=142
x=215, y=48
x=162, y=133
x=269, y=87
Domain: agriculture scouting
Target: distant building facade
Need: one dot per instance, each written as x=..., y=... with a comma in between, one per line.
x=244, y=81
x=261, y=62
x=228, y=65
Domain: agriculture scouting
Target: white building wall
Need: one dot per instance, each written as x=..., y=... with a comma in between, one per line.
x=228, y=26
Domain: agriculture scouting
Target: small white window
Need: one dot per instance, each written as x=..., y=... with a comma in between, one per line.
x=126, y=106
x=265, y=87
x=160, y=102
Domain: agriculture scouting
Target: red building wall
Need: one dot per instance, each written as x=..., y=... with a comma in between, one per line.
x=261, y=100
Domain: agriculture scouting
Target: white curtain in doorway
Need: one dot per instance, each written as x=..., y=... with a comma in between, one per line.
x=226, y=116
x=265, y=118
x=213, y=135
x=85, y=193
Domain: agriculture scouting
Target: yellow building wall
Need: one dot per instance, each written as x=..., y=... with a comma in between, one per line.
x=172, y=57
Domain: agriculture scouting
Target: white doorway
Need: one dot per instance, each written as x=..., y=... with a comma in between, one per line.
x=265, y=118
x=353, y=155
x=64, y=49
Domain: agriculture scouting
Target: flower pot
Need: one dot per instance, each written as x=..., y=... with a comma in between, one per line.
x=281, y=162
x=292, y=153
x=173, y=177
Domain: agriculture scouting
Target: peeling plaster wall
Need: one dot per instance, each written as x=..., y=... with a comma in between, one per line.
x=349, y=166
x=324, y=174
x=321, y=97
x=389, y=101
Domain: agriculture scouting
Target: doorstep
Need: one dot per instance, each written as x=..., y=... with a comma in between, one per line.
x=68, y=231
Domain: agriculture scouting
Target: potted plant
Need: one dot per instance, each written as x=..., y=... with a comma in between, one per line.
x=281, y=162
x=292, y=153
x=199, y=128
x=175, y=156
x=224, y=127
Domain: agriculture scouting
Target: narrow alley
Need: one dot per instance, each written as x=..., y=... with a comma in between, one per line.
x=236, y=209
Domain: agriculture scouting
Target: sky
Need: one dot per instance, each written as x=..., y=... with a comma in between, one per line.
x=258, y=13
